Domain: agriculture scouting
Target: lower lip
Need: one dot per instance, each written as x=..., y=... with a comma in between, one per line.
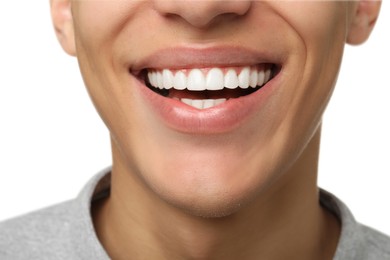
x=222, y=118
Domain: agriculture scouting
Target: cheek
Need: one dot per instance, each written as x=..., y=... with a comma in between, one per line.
x=97, y=27
x=104, y=17
x=99, y=23
x=313, y=19
x=320, y=28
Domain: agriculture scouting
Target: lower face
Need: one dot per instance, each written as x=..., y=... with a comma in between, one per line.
x=209, y=118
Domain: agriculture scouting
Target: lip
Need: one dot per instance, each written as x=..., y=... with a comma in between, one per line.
x=181, y=57
x=222, y=118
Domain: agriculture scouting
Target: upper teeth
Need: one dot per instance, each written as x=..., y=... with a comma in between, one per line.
x=210, y=79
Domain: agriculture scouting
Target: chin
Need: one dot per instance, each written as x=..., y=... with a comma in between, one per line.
x=210, y=192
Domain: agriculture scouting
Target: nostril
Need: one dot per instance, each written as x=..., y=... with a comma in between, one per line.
x=201, y=14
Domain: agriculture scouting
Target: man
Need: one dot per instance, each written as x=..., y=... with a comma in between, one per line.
x=214, y=110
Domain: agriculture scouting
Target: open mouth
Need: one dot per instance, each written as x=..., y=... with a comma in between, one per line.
x=209, y=87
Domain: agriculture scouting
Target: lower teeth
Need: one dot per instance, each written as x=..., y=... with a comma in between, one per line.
x=203, y=103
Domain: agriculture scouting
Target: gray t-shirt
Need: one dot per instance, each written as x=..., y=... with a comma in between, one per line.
x=65, y=231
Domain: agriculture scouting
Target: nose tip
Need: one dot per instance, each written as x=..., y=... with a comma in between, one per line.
x=201, y=13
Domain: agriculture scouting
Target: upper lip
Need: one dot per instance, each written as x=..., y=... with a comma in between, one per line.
x=184, y=57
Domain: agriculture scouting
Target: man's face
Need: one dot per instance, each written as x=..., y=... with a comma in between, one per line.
x=209, y=161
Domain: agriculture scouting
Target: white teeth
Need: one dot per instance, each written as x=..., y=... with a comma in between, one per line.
x=220, y=101
x=203, y=103
x=244, y=77
x=196, y=80
x=260, y=78
x=167, y=79
x=253, y=79
x=208, y=103
x=186, y=101
x=198, y=103
x=160, y=80
x=231, y=79
x=152, y=78
x=215, y=79
x=267, y=75
x=180, y=81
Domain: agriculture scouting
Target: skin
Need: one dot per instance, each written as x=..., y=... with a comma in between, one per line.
x=240, y=194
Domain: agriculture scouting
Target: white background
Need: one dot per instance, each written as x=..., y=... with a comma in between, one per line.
x=52, y=140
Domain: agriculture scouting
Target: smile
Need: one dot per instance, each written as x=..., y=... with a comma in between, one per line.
x=207, y=90
x=204, y=88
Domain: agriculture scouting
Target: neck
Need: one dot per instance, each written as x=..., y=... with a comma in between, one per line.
x=284, y=222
